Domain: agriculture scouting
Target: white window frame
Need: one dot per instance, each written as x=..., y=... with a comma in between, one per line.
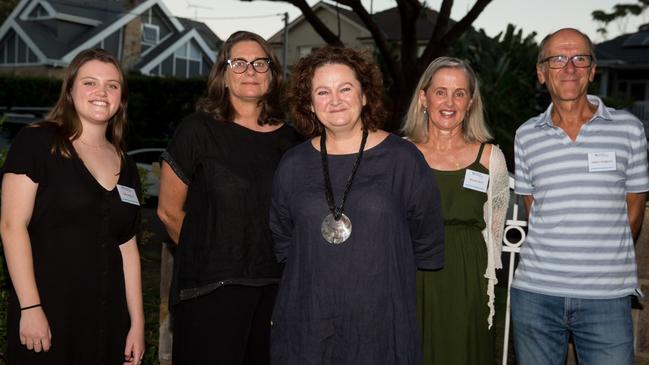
x=4, y=57
x=187, y=57
x=153, y=27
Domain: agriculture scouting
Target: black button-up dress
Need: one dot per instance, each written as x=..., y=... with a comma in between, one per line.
x=76, y=229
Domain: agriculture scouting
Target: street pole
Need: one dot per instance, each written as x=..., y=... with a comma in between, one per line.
x=285, y=53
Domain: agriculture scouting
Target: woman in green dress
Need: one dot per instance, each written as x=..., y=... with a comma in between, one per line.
x=455, y=305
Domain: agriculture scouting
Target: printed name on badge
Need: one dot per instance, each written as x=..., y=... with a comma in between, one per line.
x=601, y=161
x=127, y=195
x=475, y=180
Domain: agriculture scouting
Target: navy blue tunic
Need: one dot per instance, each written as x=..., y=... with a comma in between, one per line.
x=353, y=303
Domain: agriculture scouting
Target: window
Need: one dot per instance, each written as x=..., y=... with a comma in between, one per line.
x=304, y=51
x=188, y=61
x=38, y=12
x=13, y=50
x=150, y=34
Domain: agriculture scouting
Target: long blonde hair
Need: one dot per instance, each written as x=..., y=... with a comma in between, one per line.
x=474, y=127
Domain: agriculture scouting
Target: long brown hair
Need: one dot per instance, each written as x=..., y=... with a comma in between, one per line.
x=64, y=114
x=217, y=102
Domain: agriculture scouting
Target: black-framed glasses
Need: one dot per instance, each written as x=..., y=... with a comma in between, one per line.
x=560, y=61
x=260, y=65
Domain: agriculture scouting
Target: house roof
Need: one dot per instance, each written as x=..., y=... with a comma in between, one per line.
x=93, y=9
x=212, y=40
x=388, y=21
x=628, y=50
x=72, y=25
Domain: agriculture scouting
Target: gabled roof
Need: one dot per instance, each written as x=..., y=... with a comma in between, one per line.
x=63, y=28
x=388, y=21
x=345, y=15
x=212, y=40
x=119, y=22
x=628, y=50
x=169, y=46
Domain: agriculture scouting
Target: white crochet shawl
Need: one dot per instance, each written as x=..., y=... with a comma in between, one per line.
x=495, y=210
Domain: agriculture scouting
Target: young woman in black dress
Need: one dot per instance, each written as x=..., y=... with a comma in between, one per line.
x=214, y=201
x=68, y=222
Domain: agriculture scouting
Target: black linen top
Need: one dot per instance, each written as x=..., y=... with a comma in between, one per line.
x=225, y=237
x=75, y=230
x=353, y=303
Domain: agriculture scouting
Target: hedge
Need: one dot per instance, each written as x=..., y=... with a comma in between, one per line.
x=155, y=105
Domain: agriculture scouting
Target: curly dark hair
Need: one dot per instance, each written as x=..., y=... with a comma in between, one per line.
x=217, y=102
x=367, y=72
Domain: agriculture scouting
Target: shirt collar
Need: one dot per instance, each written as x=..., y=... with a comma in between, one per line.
x=602, y=112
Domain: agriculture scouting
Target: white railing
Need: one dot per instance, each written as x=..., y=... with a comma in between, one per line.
x=512, y=248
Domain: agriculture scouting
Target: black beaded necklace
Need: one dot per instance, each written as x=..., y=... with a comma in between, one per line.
x=337, y=227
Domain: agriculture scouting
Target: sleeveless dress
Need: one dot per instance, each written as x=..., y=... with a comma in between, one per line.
x=452, y=302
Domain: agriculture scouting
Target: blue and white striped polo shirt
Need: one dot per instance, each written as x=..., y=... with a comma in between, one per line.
x=579, y=241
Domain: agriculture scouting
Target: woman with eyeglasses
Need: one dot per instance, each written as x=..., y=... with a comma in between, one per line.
x=214, y=200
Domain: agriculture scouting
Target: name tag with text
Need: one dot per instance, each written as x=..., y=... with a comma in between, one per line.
x=601, y=161
x=127, y=195
x=475, y=180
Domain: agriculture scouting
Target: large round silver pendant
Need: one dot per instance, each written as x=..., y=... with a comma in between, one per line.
x=336, y=231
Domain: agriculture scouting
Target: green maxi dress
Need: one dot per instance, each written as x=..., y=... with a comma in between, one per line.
x=452, y=302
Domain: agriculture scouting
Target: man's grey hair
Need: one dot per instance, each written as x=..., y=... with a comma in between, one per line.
x=541, y=55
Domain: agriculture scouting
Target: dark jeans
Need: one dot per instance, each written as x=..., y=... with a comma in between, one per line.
x=230, y=325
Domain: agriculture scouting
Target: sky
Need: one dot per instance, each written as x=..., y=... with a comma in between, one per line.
x=266, y=17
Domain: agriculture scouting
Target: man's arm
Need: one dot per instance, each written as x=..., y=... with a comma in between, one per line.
x=528, y=200
x=635, y=203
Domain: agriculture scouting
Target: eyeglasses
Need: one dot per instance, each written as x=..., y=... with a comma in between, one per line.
x=239, y=66
x=580, y=61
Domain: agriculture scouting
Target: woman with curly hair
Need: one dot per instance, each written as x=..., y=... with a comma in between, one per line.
x=354, y=211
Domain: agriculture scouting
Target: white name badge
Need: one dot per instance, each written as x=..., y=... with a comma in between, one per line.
x=127, y=195
x=601, y=161
x=475, y=180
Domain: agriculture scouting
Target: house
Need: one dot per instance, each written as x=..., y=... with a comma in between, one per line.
x=302, y=38
x=40, y=37
x=623, y=69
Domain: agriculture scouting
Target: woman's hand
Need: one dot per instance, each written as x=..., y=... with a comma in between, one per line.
x=134, y=350
x=35, y=330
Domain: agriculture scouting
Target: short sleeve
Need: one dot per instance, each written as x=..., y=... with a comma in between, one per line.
x=29, y=153
x=637, y=176
x=523, y=182
x=134, y=179
x=183, y=149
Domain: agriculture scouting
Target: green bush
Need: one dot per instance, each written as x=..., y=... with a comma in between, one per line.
x=155, y=105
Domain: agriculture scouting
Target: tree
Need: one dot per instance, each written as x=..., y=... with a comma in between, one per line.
x=620, y=13
x=505, y=66
x=6, y=7
x=402, y=71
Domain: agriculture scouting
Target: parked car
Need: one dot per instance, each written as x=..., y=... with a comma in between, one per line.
x=148, y=162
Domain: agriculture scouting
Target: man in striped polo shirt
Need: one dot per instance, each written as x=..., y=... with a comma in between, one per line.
x=582, y=168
